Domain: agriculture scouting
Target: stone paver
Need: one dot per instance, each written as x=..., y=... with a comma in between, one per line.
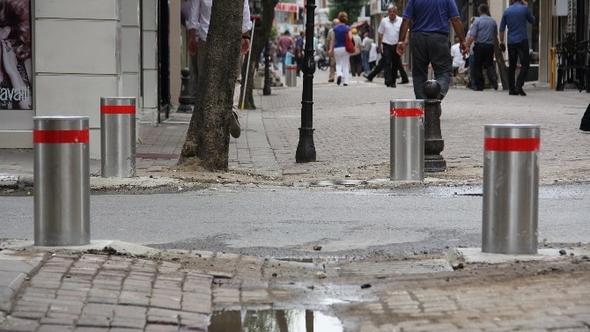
x=86, y=292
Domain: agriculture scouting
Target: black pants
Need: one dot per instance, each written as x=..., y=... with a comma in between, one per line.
x=381, y=64
x=434, y=49
x=392, y=62
x=484, y=59
x=518, y=51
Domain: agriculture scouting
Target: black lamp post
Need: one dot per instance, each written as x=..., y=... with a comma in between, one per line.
x=306, y=149
x=266, y=88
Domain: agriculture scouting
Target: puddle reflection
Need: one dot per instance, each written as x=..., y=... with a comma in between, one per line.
x=273, y=321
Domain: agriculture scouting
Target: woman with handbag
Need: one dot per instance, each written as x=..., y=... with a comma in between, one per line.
x=338, y=47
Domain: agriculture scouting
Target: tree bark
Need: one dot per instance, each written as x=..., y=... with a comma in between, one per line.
x=261, y=36
x=207, y=138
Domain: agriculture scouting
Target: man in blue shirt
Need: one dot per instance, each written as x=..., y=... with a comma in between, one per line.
x=516, y=17
x=430, y=40
x=484, y=32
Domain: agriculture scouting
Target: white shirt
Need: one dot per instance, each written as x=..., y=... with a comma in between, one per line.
x=373, y=55
x=201, y=16
x=458, y=61
x=390, y=30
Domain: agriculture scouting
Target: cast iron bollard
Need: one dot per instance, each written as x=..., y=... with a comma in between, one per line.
x=407, y=140
x=62, y=181
x=434, y=143
x=117, y=135
x=186, y=98
x=291, y=77
x=510, y=189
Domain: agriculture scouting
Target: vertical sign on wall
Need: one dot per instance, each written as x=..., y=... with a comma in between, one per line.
x=15, y=55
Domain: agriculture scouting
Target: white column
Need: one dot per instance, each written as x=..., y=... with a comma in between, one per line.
x=130, y=48
x=77, y=59
x=149, y=30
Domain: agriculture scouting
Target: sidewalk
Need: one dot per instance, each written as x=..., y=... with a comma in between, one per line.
x=352, y=135
x=202, y=291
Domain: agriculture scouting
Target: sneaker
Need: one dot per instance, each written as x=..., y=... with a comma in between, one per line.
x=521, y=92
x=339, y=80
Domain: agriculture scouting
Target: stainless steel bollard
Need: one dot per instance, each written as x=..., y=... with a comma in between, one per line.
x=407, y=140
x=62, y=180
x=291, y=76
x=117, y=136
x=510, y=189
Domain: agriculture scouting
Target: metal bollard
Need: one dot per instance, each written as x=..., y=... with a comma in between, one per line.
x=291, y=76
x=117, y=136
x=62, y=180
x=510, y=189
x=407, y=140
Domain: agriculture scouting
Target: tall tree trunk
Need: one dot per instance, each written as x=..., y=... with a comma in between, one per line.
x=207, y=138
x=261, y=36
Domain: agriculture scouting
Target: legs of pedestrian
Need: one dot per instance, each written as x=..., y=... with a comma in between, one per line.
x=375, y=71
x=388, y=65
x=365, y=60
x=402, y=71
x=342, y=64
x=420, y=61
x=332, y=73
x=523, y=55
x=512, y=59
x=489, y=65
x=479, y=61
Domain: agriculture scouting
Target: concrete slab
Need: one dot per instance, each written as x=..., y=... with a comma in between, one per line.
x=119, y=246
x=458, y=256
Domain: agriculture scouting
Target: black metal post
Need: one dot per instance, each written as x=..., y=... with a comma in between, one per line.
x=266, y=88
x=306, y=149
x=433, y=141
x=186, y=98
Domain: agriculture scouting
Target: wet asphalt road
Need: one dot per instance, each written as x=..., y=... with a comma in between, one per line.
x=290, y=221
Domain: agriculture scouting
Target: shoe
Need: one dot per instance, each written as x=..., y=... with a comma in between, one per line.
x=513, y=93
x=367, y=77
x=495, y=85
x=478, y=89
x=345, y=84
x=339, y=80
x=521, y=92
x=331, y=80
x=392, y=85
x=404, y=82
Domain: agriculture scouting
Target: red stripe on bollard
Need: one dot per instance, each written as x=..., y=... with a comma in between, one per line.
x=61, y=136
x=512, y=144
x=117, y=109
x=406, y=112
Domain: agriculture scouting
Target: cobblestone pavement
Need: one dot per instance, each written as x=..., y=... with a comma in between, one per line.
x=352, y=129
x=180, y=292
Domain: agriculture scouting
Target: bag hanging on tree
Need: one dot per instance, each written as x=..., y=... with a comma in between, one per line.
x=349, y=43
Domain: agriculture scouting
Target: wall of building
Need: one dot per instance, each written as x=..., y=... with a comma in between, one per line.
x=77, y=59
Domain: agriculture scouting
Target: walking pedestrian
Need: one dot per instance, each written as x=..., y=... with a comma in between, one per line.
x=388, y=30
x=286, y=44
x=337, y=47
x=484, y=33
x=299, y=44
x=355, y=58
x=365, y=50
x=515, y=18
x=430, y=40
x=329, y=39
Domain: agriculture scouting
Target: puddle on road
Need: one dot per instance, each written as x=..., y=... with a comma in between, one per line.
x=297, y=320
